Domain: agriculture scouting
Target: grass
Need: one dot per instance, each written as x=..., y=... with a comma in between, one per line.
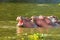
x=10, y=34
x=9, y=12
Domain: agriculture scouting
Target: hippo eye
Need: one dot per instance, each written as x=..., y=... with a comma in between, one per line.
x=17, y=18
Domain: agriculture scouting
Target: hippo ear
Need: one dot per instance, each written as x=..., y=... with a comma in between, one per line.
x=41, y=17
x=32, y=17
x=18, y=18
x=48, y=17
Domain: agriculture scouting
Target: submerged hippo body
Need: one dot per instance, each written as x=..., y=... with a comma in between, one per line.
x=41, y=23
x=28, y=24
